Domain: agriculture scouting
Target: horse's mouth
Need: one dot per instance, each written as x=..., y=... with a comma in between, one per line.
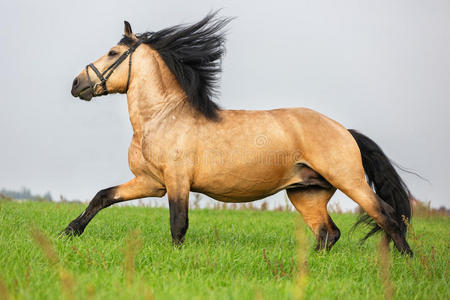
x=85, y=94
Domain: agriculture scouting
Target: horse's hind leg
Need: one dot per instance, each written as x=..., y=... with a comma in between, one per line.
x=380, y=211
x=312, y=203
x=133, y=189
x=350, y=179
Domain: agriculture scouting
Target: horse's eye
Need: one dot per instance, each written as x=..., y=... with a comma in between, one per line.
x=112, y=53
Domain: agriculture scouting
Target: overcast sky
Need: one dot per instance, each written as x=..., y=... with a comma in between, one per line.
x=382, y=67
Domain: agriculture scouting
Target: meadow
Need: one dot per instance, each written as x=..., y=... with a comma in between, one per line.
x=126, y=253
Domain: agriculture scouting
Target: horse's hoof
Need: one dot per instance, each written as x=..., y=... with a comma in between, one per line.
x=408, y=252
x=178, y=243
x=70, y=232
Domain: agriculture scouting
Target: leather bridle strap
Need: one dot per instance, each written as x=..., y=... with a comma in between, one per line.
x=103, y=77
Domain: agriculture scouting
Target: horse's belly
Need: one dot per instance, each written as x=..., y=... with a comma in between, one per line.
x=249, y=184
x=243, y=185
x=239, y=197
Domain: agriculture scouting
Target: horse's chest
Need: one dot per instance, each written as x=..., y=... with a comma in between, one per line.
x=138, y=159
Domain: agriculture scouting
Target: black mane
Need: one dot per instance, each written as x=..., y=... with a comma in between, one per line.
x=193, y=53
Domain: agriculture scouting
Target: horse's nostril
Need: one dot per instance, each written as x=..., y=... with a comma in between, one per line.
x=75, y=82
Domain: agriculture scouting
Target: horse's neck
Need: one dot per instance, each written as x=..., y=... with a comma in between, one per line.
x=154, y=94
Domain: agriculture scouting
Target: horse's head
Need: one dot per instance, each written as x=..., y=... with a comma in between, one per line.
x=108, y=74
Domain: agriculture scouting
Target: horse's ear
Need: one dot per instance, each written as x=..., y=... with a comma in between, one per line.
x=127, y=30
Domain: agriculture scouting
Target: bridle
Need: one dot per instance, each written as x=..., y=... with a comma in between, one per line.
x=103, y=77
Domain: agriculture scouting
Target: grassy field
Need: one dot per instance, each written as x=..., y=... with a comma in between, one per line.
x=126, y=253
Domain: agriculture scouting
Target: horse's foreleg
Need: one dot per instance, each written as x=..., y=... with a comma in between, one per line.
x=133, y=189
x=178, y=195
x=311, y=203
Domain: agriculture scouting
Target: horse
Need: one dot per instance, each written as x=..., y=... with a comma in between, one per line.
x=183, y=141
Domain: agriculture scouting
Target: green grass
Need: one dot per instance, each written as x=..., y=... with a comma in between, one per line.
x=227, y=255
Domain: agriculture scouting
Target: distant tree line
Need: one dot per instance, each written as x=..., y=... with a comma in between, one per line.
x=25, y=194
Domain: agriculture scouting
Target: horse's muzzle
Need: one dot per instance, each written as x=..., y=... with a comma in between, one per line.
x=81, y=88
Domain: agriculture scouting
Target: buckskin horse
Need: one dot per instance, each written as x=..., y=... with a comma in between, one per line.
x=183, y=141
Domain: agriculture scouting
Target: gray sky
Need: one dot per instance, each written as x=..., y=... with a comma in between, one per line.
x=382, y=67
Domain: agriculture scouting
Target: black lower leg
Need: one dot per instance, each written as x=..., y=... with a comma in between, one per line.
x=328, y=235
x=102, y=199
x=394, y=229
x=179, y=221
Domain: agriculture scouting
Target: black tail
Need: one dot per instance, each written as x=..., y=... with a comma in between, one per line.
x=384, y=179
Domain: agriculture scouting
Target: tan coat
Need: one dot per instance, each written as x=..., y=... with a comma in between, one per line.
x=243, y=156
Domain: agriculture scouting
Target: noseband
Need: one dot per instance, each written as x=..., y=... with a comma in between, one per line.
x=103, y=77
